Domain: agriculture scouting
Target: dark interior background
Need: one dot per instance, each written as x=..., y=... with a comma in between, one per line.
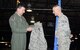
x=41, y=12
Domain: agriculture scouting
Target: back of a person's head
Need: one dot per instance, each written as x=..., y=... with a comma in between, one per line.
x=19, y=5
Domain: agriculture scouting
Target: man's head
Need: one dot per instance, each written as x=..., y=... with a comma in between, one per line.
x=20, y=9
x=56, y=10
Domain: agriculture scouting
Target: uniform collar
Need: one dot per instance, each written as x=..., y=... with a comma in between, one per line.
x=18, y=14
x=61, y=15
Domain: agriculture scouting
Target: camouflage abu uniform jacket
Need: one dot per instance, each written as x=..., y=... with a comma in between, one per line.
x=63, y=33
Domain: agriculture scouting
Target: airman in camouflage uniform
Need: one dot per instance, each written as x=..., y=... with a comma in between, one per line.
x=63, y=30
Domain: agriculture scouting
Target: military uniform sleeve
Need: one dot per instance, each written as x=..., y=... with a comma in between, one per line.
x=66, y=27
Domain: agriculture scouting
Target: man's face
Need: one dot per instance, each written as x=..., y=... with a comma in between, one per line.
x=55, y=11
x=21, y=10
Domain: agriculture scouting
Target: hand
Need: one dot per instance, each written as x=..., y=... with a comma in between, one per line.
x=29, y=29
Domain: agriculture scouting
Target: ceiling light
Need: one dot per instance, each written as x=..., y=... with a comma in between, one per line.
x=32, y=19
x=6, y=44
x=76, y=38
x=29, y=10
x=29, y=7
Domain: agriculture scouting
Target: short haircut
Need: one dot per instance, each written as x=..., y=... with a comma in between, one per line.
x=55, y=5
x=19, y=5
